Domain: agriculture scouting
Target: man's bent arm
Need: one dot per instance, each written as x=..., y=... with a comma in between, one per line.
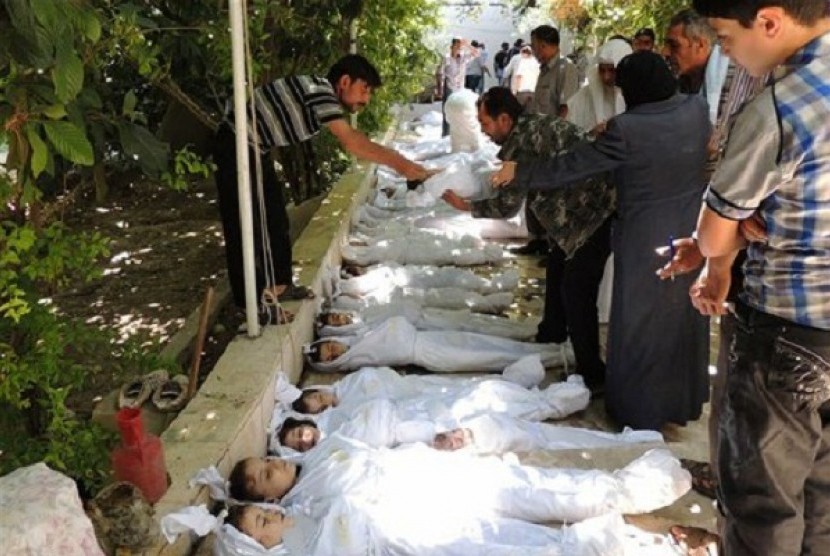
x=718, y=236
x=357, y=144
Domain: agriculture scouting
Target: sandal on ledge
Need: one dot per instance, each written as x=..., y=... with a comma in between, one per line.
x=294, y=292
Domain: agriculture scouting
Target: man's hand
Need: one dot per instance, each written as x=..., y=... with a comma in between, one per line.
x=708, y=293
x=687, y=257
x=456, y=201
x=413, y=171
x=754, y=229
x=599, y=129
x=504, y=176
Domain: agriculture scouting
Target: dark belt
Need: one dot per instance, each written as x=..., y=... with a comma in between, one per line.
x=749, y=316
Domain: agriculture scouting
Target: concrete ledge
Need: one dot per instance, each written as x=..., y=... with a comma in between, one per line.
x=228, y=418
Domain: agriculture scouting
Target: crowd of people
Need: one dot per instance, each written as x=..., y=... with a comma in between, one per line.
x=699, y=164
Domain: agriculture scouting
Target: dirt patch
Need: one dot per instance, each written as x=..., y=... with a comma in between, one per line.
x=166, y=249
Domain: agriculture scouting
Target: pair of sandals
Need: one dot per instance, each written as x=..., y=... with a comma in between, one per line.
x=168, y=394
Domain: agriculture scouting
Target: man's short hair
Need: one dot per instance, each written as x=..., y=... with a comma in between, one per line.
x=505, y=45
x=806, y=12
x=239, y=487
x=356, y=67
x=645, y=32
x=547, y=34
x=498, y=101
x=299, y=405
x=290, y=424
x=518, y=43
x=694, y=25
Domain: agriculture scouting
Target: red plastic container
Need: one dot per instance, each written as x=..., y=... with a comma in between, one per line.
x=140, y=458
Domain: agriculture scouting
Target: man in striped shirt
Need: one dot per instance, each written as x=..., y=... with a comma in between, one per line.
x=288, y=111
x=774, y=455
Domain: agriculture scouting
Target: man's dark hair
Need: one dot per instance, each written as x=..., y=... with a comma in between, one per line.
x=547, y=34
x=290, y=424
x=239, y=487
x=356, y=67
x=498, y=101
x=806, y=12
x=518, y=43
x=505, y=45
x=299, y=404
x=235, y=514
x=645, y=32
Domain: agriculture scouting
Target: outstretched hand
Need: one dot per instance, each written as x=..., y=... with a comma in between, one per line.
x=456, y=201
x=414, y=171
x=687, y=257
x=504, y=175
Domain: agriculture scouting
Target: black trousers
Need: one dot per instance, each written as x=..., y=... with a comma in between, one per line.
x=571, y=291
x=276, y=219
x=774, y=435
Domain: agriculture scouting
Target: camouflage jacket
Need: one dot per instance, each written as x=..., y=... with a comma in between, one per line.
x=570, y=216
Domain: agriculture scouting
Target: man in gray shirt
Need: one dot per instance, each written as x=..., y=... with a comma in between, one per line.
x=558, y=78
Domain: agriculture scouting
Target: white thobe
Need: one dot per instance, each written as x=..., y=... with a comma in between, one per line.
x=397, y=342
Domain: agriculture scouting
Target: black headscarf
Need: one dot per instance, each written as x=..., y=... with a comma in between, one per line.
x=645, y=77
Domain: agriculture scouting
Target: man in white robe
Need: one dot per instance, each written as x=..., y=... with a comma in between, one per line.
x=599, y=100
x=397, y=342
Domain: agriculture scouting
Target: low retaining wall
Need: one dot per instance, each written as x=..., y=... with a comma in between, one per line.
x=228, y=418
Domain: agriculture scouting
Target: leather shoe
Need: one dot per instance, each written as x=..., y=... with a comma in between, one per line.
x=533, y=247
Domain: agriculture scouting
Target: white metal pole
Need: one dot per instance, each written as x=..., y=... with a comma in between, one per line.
x=243, y=174
x=353, y=50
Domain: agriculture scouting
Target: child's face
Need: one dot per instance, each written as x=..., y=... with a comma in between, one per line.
x=270, y=478
x=266, y=527
x=757, y=48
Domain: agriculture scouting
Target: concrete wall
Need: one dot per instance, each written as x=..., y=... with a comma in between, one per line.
x=228, y=418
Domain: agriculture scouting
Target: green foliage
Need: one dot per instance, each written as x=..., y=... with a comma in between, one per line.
x=80, y=87
x=186, y=165
x=600, y=19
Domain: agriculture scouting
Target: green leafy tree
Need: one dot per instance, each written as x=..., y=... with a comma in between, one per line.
x=600, y=19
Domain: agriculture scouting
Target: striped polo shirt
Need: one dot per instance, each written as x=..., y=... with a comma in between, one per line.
x=291, y=110
x=777, y=161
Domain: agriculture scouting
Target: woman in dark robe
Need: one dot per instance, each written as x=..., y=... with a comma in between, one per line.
x=658, y=345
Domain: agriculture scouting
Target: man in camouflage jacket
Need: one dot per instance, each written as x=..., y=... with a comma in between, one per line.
x=577, y=221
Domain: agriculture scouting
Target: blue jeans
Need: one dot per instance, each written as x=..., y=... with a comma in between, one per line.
x=774, y=436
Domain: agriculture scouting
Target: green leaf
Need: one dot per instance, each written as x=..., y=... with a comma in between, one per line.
x=70, y=142
x=68, y=74
x=130, y=100
x=142, y=146
x=55, y=112
x=47, y=14
x=40, y=152
x=92, y=26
